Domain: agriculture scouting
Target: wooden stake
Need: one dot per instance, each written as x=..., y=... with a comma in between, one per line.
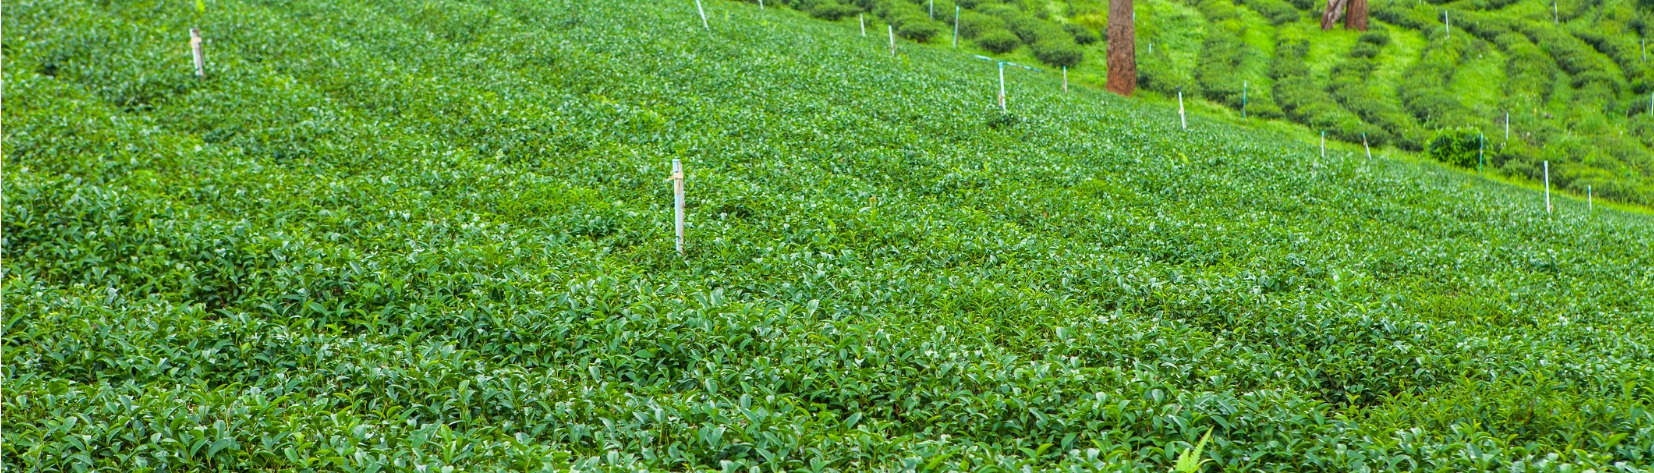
x=1547, y=187
x=703, y=16
x=892, y=30
x=677, y=202
x=200, y=57
x=1002, y=87
x=1180, y=116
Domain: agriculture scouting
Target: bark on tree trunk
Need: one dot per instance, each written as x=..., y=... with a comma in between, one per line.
x=1356, y=19
x=1122, y=48
x=1335, y=9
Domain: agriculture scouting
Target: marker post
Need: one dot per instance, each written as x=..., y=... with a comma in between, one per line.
x=1323, y=143
x=892, y=30
x=1180, y=116
x=1244, y=85
x=1547, y=187
x=703, y=16
x=200, y=56
x=1364, y=146
x=1065, y=79
x=1002, y=87
x=677, y=202
x=863, y=21
x=956, y=26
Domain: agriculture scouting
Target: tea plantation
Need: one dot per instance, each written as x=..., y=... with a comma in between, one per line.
x=436, y=236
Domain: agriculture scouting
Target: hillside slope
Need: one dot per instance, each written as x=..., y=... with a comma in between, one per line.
x=1570, y=78
x=426, y=234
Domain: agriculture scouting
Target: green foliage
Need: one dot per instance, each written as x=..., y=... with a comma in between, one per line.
x=1190, y=461
x=1456, y=147
x=974, y=25
x=1058, y=53
x=1082, y=35
x=918, y=29
x=372, y=243
x=1277, y=11
x=998, y=41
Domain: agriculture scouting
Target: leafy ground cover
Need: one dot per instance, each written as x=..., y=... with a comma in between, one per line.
x=423, y=235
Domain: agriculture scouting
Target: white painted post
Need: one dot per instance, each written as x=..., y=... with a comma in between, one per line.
x=703, y=16
x=760, y=4
x=200, y=57
x=1651, y=104
x=956, y=26
x=1180, y=116
x=1555, y=18
x=863, y=21
x=892, y=30
x=1447, y=23
x=1244, y=85
x=1507, y=126
x=677, y=202
x=1589, y=207
x=1002, y=86
x=1323, y=143
x=1065, y=79
x=1547, y=187
x=933, y=9
x=1364, y=146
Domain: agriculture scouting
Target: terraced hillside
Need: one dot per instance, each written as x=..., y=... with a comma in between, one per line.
x=1570, y=77
x=397, y=235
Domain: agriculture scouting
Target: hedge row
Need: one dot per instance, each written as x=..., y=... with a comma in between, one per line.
x=1307, y=103
x=1350, y=83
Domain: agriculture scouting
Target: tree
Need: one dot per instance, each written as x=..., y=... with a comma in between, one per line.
x=1356, y=20
x=1122, y=48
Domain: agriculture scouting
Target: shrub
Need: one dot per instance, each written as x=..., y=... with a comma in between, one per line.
x=831, y=10
x=973, y=25
x=1082, y=35
x=998, y=41
x=918, y=29
x=1058, y=53
x=1277, y=11
x=1455, y=146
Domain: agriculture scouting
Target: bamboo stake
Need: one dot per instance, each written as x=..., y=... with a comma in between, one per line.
x=1002, y=87
x=1547, y=187
x=677, y=202
x=200, y=56
x=703, y=16
x=1180, y=116
x=892, y=30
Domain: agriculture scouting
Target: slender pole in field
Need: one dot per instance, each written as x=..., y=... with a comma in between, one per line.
x=1364, y=146
x=1244, y=85
x=933, y=9
x=1645, y=49
x=892, y=30
x=863, y=21
x=1323, y=143
x=1589, y=207
x=1651, y=104
x=677, y=201
x=1002, y=87
x=1547, y=187
x=1555, y=18
x=760, y=4
x=956, y=26
x=200, y=57
x=1507, y=126
x=1065, y=79
x=703, y=15
x=1481, y=145
x=1447, y=23
x=1180, y=116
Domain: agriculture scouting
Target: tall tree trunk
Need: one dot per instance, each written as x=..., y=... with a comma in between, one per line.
x=1335, y=9
x=1122, y=48
x=1356, y=19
